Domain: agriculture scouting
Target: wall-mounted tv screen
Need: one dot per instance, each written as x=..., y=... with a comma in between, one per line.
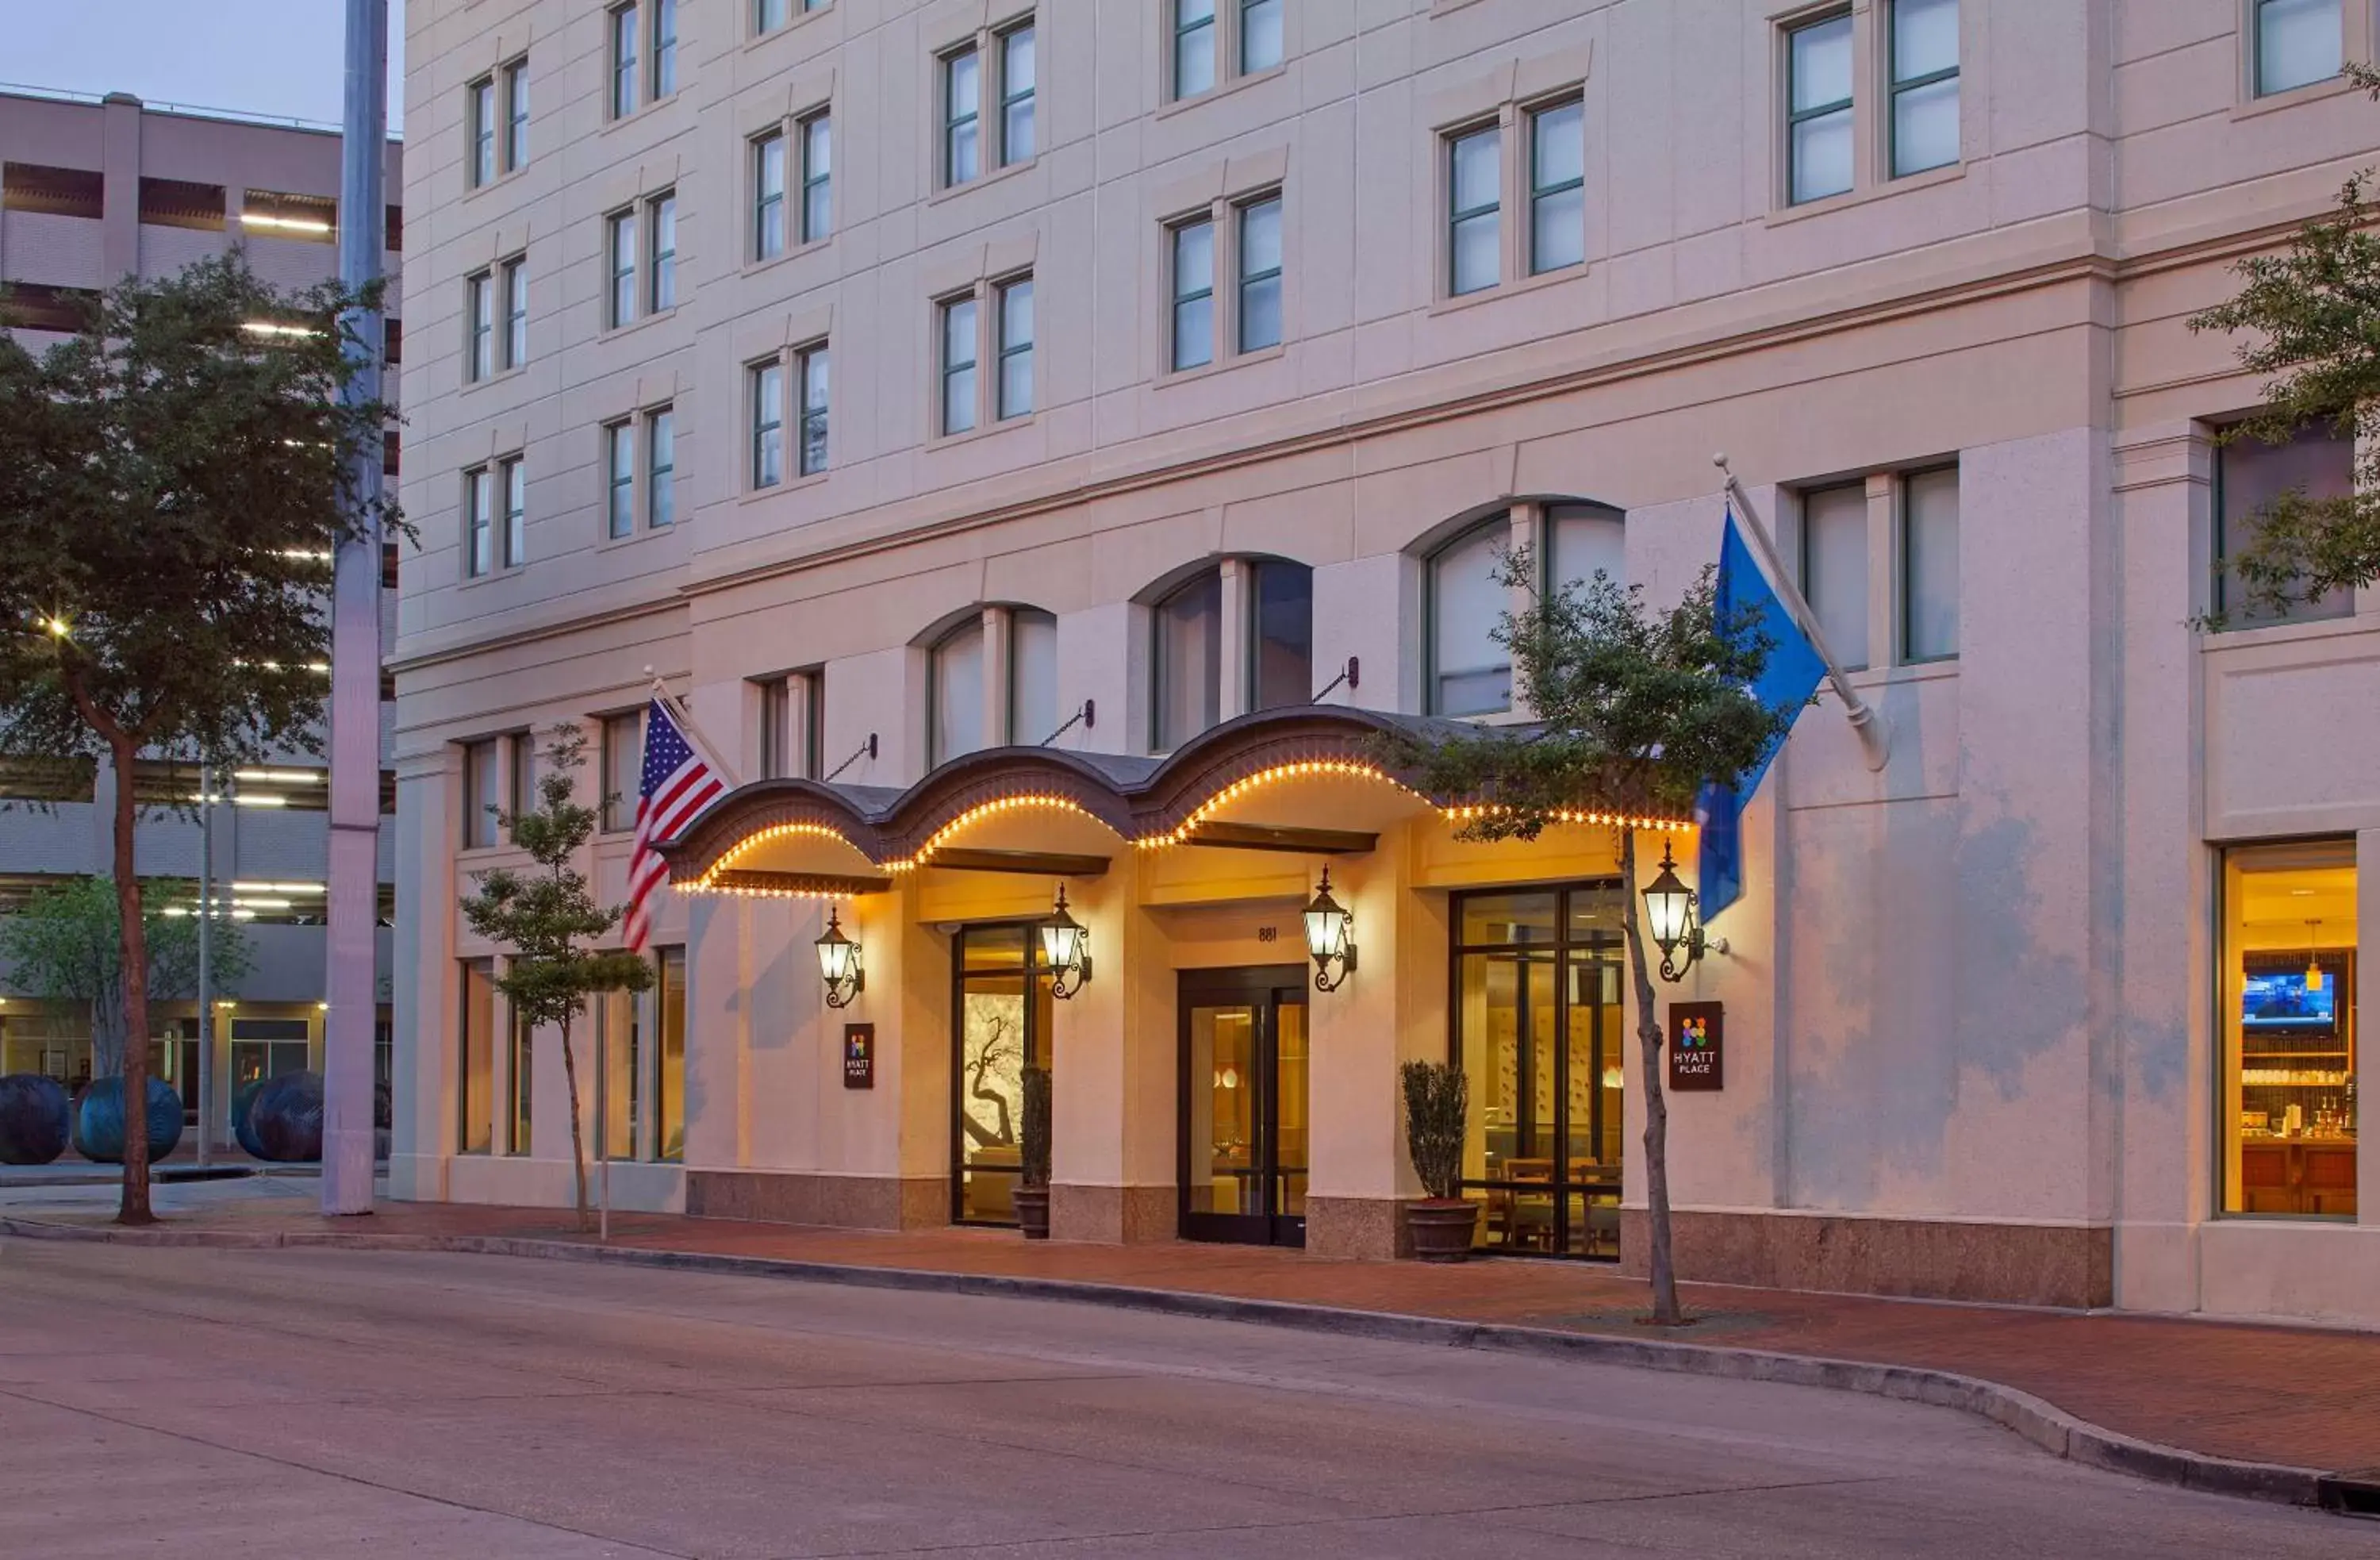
x=2280, y=1001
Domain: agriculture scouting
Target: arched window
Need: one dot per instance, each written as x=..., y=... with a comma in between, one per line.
x=1583, y=540
x=1470, y=673
x=1032, y=676
x=1280, y=635
x=1186, y=662
x=957, y=715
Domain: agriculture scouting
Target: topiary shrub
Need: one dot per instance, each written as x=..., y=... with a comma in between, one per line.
x=1437, y=1111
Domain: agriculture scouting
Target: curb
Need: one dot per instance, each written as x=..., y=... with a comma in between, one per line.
x=2042, y=1423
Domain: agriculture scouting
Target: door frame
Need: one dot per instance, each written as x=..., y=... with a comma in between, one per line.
x=1266, y=988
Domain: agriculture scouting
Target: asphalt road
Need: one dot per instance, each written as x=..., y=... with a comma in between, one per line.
x=198, y=1403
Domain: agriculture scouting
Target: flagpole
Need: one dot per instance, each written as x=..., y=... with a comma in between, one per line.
x=1874, y=736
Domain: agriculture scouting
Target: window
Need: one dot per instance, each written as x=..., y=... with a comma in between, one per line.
x=1186, y=663
x=1016, y=95
x=2318, y=461
x=1202, y=47
x=516, y=277
x=623, y=61
x=962, y=89
x=1280, y=633
x=475, y=1089
x=770, y=14
x=481, y=793
x=665, y=48
x=520, y=770
x=1929, y=566
x=174, y=203
x=818, y=178
x=956, y=691
x=520, y=1075
x=480, y=311
x=1470, y=673
x=1193, y=47
x=620, y=305
x=792, y=722
x=1002, y=1026
x=623, y=761
x=768, y=424
x=1834, y=568
x=1924, y=87
x=661, y=467
x=1016, y=349
x=478, y=522
x=1193, y=295
x=1583, y=541
x=815, y=368
x=1557, y=187
x=515, y=115
x=662, y=219
x=1260, y=274
x=515, y=474
x=2287, y=1009
x=482, y=118
x=1032, y=676
x=1475, y=163
x=1818, y=109
x=958, y=365
x=2297, y=42
x=1260, y=35
x=669, y=1064
x=769, y=196
x=620, y=479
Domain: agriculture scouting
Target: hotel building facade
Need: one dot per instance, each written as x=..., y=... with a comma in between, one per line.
x=1057, y=478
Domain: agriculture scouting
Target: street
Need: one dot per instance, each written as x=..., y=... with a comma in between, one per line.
x=201, y=1403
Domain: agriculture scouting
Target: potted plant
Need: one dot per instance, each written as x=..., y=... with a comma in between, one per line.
x=1437, y=1107
x=1033, y=1155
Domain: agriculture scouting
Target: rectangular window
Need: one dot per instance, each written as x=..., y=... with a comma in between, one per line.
x=478, y=522
x=818, y=178
x=1474, y=182
x=1016, y=95
x=2250, y=475
x=1016, y=349
x=1186, y=663
x=620, y=479
x=1557, y=187
x=1925, y=90
x=1193, y=295
x=668, y=1091
x=475, y=1091
x=776, y=727
x=661, y=468
x=769, y=196
x=621, y=305
x=483, y=132
x=520, y=757
x=1260, y=35
x=817, y=368
x=1280, y=636
x=958, y=365
x=769, y=15
x=515, y=472
x=662, y=219
x=623, y=763
x=1818, y=109
x=1193, y=47
x=2286, y=1015
x=665, y=48
x=1260, y=274
x=516, y=275
x=623, y=61
x=481, y=795
x=620, y=1032
x=516, y=115
x=767, y=382
x=1929, y=566
x=962, y=108
x=2298, y=43
x=521, y=1078
x=480, y=308
x=1834, y=568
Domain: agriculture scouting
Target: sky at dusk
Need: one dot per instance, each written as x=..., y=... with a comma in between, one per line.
x=281, y=57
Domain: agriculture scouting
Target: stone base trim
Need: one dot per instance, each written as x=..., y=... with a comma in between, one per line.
x=1356, y=1227
x=1114, y=1216
x=2071, y=1265
x=788, y=1197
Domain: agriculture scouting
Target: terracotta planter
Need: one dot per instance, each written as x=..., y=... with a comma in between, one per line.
x=1033, y=1212
x=1441, y=1230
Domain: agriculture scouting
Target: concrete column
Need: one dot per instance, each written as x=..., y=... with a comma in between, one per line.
x=1114, y=1062
x=119, y=230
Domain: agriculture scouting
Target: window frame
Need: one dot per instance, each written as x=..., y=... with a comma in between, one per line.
x=818, y=122
x=1457, y=215
x=661, y=67
x=512, y=492
x=954, y=123
x=1208, y=577
x=660, y=506
x=620, y=295
x=660, y=262
x=974, y=627
x=767, y=202
x=480, y=131
x=476, y=799
x=1532, y=120
x=1240, y=44
x=1904, y=577
x=513, y=284
x=766, y=424
x=614, y=789
x=949, y=367
x=1243, y=279
x=1006, y=349
x=478, y=522
x=1176, y=233
x=620, y=479
x=2254, y=52
x=1894, y=86
x=1433, y=613
x=1005, y=37
x=626, y=76
x=514, y=78
x=1804, y=578
x=819, y=354
x=480, y=326
x=1213, y=26
x=1793, y=118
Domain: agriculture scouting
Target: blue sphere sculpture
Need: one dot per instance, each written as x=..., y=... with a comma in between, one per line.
x=35, y=1121
x=286, y=1118
x=242, y=1102
x=99, y=1121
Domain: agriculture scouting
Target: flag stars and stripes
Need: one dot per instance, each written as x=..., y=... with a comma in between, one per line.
x=677, y=782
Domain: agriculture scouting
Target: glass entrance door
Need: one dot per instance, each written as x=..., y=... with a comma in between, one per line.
x=1245, y=1108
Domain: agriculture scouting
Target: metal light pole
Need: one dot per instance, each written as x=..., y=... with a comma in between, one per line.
x=355, y=651
x=206, y=1079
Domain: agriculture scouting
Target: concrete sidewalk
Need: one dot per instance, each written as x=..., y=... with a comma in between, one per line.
x=2296, y=1398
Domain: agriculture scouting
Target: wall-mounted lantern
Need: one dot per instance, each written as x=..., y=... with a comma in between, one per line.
x=1066, y=946
x=839, y=963
x=1670, y=919
x=1329, y=937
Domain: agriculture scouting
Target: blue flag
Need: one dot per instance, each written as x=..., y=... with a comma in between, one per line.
x=1785, y=682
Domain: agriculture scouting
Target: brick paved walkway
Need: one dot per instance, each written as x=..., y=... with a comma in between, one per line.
x=2302, y=1396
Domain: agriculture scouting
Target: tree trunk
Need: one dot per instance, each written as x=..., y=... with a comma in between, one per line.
x=578, y=1142
x=133, y=1209
x=1666, y=1312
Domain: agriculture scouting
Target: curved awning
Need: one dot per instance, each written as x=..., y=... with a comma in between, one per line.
x=1307, y=778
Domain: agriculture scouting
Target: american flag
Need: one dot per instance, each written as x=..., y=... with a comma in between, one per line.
x=678, y=782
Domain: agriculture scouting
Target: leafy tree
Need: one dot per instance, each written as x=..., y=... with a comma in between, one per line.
x=547, y=917
x=1636, y=708
x=67, y=947
x=2312, y=315
x=176, y=476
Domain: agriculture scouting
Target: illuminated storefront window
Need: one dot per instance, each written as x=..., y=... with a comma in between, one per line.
x=2287, y=1017
x=1002, y=1027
